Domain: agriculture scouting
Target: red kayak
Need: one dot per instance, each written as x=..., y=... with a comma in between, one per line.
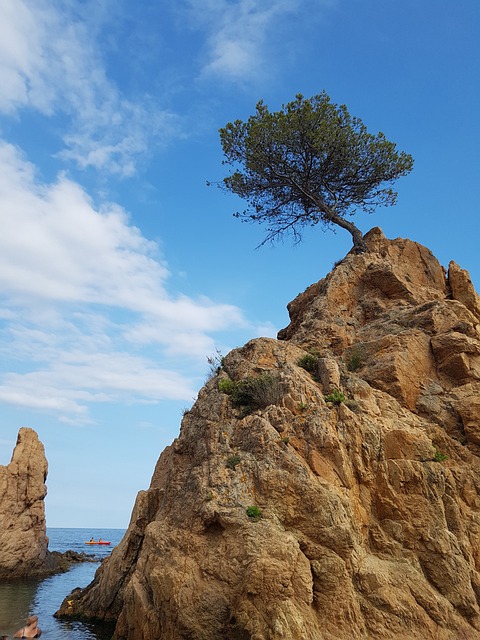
x=97, y=542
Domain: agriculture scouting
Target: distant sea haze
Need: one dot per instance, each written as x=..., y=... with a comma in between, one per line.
x=21, y=598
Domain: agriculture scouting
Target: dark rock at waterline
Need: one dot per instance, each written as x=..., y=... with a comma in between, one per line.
x=65, y=560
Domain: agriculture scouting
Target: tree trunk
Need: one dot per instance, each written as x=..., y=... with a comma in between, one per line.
x=359, y=245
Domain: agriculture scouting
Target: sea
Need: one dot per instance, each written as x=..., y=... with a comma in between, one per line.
x=21, y=598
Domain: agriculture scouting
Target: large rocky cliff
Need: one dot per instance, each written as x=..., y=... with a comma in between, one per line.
x=325, y=484
x=23, y=539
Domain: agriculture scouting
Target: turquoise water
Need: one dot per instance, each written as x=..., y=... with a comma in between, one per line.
x=22, y=598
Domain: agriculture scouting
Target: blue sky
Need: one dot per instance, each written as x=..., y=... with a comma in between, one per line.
x=121, y=271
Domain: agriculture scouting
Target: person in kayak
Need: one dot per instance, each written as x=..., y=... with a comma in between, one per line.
x=30, y=630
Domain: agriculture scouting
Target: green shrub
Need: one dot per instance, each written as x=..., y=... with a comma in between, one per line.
x=253, y=392
x=225, y=385
x=309, y=361
x=356, y=358
x=439, y=456
x=258, y=392
x=254, y=512
x=232, y=461
x=336, y=397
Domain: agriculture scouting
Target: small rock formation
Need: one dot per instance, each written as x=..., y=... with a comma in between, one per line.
x=23, y=539
x=348, y=505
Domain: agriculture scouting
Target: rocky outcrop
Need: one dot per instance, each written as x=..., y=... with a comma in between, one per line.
x=23, y=540
x=326, y=484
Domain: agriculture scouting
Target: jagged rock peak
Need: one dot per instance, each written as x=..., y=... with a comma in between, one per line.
x=364, y=287
x=324, y=485
x=23, y=540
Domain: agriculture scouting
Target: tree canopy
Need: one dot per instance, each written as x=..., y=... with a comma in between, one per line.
x=309, y=163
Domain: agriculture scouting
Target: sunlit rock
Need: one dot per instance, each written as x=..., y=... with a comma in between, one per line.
x=346, y=504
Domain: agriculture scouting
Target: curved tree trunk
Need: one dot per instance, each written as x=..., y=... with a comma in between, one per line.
x=359, y=245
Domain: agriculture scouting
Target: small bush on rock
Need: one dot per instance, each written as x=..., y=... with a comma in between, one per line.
x=356, y=358
x=257, y=392
x=254, y=512
x=309, y=361
x=225, y=385
x=336, y=397
x=254, y=392
x=232, y=461
x=439, y=456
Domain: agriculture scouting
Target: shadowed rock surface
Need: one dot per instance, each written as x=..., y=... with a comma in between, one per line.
x=364, y=468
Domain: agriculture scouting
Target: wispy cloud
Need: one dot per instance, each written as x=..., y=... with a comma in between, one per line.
x=50, y=62
x=241, y=35
x=85, y=313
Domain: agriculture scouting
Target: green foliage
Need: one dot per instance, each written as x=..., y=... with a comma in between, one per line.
x=254, y=512
x=257, y=392
x=232, y=461
x=356, y=358
x=439, y=456
x=336, y=397
x=225, y=385
x=309, y=163
x=253, y=392
x=309, y=361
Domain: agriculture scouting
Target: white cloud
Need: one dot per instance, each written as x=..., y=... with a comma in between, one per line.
x=85, y=315
x=24, y=62
x=56, y=246
x=237, y=34
x=49, y=62
x=241, y=35
x=74, y=380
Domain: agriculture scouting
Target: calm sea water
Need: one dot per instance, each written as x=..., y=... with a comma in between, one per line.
x=22, y=598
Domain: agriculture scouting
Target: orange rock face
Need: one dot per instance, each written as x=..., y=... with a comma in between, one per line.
x=361, y=458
